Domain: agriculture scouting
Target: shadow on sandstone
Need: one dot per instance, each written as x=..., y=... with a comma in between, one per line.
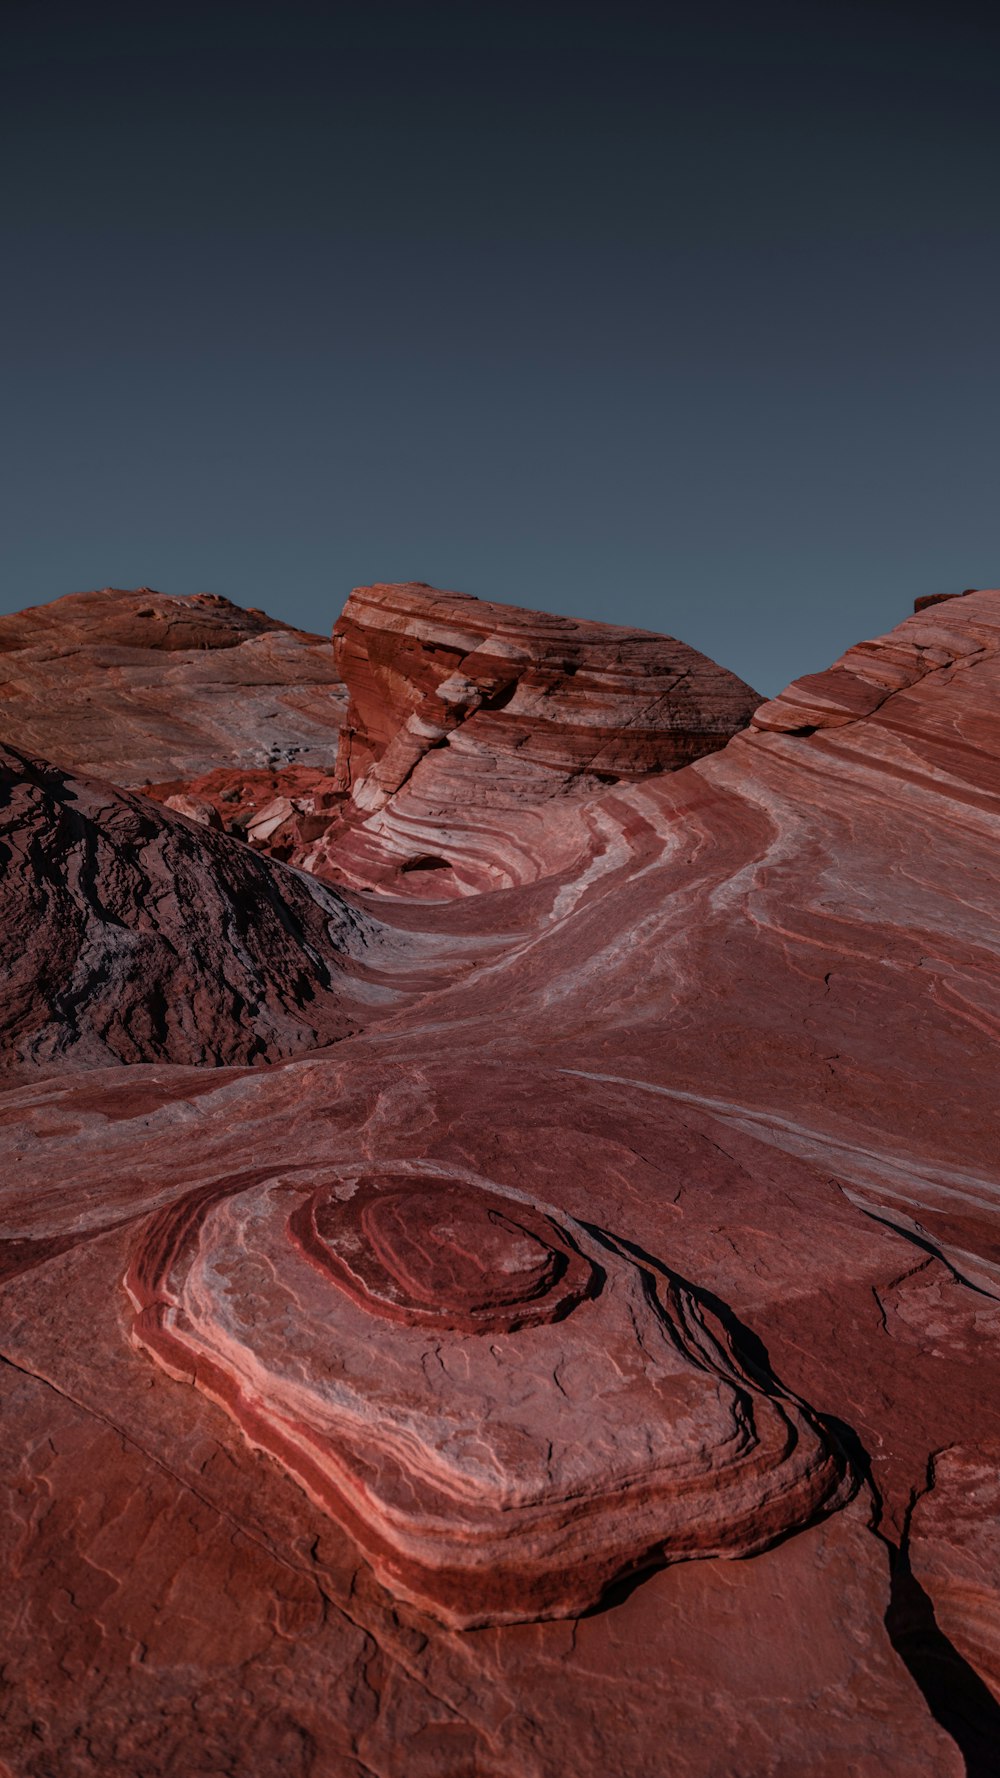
x=955, y=1695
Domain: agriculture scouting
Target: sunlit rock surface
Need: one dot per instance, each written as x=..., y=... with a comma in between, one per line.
x=397, y=1405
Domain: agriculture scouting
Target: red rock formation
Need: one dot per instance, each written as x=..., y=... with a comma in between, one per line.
x=196, y=808
x=475, y=731
x=954, y=1550
x=652, y=1215
x=140, y=687
x=484, y=1501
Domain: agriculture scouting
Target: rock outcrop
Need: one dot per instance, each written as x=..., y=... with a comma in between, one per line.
x=954, y=1549
x=475, y=731
x=538, y=1460
x=140, y=687
x=133, y=935
x=643, y=1216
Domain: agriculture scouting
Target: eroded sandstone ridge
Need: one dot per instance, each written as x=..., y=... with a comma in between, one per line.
x=141, y=687
x=607, y=1194
x=471, y=725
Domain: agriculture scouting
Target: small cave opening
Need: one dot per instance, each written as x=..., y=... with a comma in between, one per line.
x=424, y=861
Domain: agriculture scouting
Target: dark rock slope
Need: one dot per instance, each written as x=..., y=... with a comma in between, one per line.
x=131, y=934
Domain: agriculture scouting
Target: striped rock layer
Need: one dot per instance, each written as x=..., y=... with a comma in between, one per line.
x=475, y=731
x=645, y=1209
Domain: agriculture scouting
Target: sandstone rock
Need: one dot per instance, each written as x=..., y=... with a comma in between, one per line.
x=471, y=725
x=240, y=797
x=519, y=1477
x=179, y=1542
x=140, y=687
x=955, y=1554
x=648, y=1213
x=265, y=823
x=195, y=808
x=938, y=599
x=131, y=936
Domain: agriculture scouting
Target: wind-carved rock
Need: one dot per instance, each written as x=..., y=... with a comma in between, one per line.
x=504, y=1408
x=476, y=731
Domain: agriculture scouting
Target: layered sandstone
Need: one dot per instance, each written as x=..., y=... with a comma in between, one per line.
x=955, y=1553
x=541, y=1458
x=470, y=724
x=647, y=1217
x=142, y=687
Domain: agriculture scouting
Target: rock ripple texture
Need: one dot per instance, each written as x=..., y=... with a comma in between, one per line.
x=500, y=1484
x=643, y=1213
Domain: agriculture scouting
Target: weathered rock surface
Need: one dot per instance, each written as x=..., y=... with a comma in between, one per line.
x=650, y=1218
x=470, y=723
x=132, y=934
x=141, y=687
x=516, y=1478
x=955, y=1554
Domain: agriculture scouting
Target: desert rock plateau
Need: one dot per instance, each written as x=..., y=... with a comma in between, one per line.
x=500, y=1272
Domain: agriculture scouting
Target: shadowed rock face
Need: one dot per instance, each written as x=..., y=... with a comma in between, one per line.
x=955, y=1555
x=131, y=935
x=141, y=687
x=646, y=1218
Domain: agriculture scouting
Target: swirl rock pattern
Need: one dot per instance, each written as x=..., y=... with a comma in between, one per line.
x=443, y=1254
x=733, y=1022
x=475, y=730
x=506, y=1476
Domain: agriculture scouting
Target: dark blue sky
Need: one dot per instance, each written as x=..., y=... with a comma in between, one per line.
x=677, y=316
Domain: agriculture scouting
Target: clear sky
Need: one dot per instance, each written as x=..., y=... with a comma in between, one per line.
x=686, y=317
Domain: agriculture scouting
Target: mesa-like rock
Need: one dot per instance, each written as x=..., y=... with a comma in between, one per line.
x=520, y=1476
x=514, y=1288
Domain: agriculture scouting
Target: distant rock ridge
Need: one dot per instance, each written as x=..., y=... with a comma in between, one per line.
x=862, y=680
x=142, y=686
x=119, y=617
